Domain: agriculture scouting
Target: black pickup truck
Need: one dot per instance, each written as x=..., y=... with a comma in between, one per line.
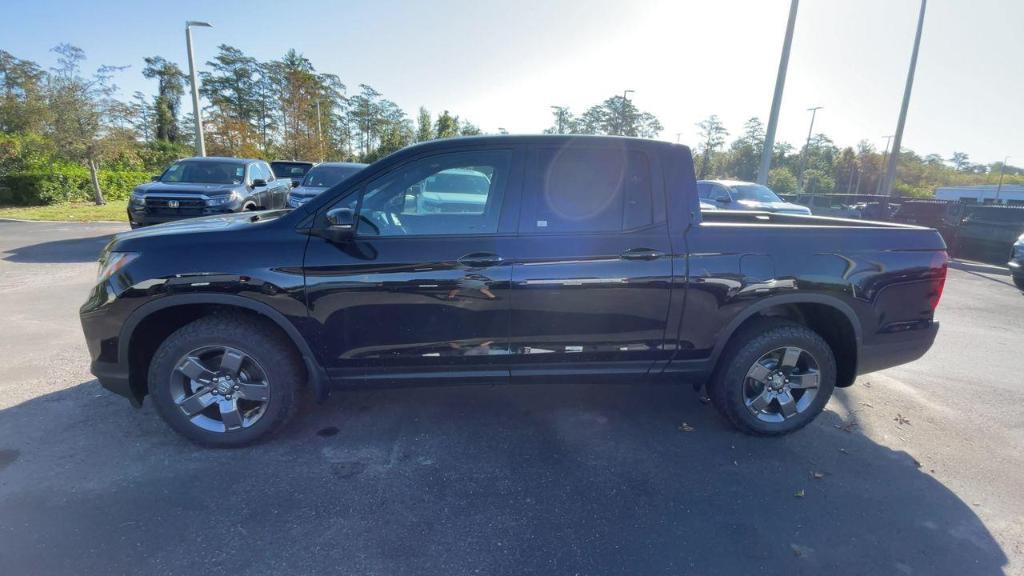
x=564, y=258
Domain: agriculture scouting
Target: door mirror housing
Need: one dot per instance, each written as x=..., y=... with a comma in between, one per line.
x=259, y=182
x=295, y=183
x=341, y=225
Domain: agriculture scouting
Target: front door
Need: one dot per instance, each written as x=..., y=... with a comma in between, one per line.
x=422, y=291
x=593, y=270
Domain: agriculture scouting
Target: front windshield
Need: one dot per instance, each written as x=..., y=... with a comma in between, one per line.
x=755, y=192
x=327, y=176
x=205, y=172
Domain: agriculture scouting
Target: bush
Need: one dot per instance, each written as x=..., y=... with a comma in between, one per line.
x=65, y=183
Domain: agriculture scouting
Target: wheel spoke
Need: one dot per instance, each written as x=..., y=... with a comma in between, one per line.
x=197, y=402
x=806, y=380
x=258, y=392
x=790, y=358
x=761, y=401
x=194, y=369
x=787, y=407
x=231, y=361
x=759, y=372
x=230, y=415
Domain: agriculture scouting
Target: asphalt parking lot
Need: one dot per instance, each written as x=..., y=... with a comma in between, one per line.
x=915, y=470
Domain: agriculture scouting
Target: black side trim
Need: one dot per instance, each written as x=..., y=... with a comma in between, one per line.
x=317, y=374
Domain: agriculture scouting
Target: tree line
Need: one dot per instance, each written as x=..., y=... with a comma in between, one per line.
x=70, y=115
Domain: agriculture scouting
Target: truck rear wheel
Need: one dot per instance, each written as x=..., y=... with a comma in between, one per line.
x=775, y=377
x=224, y=382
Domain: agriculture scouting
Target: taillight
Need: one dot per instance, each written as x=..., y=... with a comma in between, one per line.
x=940, y=261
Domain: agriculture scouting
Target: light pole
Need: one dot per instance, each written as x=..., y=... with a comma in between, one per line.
x=803, y=157
x=780, y=83
x=890, y=172
x=881, y=171
x=1002, y=171
x=622, y=112
x=197, y=115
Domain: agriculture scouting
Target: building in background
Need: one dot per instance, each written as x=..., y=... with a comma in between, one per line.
x=1012, y=194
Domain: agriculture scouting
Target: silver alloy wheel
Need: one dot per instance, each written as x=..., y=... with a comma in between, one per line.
x=781, y=384
x=220, y=389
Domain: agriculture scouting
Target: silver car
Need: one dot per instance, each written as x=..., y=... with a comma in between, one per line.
x=736, y=195
x=320, y=178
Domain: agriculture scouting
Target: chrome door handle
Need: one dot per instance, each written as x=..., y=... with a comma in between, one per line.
x=478, y=259
x=642, y=254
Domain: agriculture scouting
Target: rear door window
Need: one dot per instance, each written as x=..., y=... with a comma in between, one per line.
x=588, y=190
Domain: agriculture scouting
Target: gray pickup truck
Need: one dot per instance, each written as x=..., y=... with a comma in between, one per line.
x=204, y=187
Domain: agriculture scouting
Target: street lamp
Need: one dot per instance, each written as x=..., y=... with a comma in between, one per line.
x=894, y=155
x=803, y=157
x=196, y=113
x=780, y=83
x=1002, y=171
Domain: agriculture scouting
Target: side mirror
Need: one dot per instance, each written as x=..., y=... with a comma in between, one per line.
x=154, y=178
x=295, y=183
x=341, y=225
x=259, y=182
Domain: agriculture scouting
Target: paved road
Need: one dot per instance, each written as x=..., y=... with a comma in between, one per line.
x=509, y=480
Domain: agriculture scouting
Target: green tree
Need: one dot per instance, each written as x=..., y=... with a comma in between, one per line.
x=960, y=161
x=563, y=122
x=167, y=103
x=447, y=126
x=712, y=133
x=782, y=181
x=424, y=126
x=23, y=98
x=618, y=116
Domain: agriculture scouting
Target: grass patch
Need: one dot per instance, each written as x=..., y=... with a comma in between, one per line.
x=113, y=210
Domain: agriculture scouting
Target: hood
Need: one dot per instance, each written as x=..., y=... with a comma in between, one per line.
x=186, y=188
x=192, y=226
x=774, y=206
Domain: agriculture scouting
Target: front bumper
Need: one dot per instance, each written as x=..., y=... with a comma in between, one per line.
x=141, y=216
x=895, y=349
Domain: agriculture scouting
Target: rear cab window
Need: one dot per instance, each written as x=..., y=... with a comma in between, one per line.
x=588, y=190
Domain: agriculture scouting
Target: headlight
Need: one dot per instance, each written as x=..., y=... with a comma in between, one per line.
x=1018, y=251
x=294, y=200
x=137, y=199
x=222, y=200
x=113, y=263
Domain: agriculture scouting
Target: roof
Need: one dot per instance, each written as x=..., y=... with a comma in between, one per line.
x=344, y=164
x=220, y=159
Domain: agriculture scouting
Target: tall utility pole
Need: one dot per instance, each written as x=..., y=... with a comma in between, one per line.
x=1002, y=171
x=780, y=83
x=622, y=114
x=319, y=132
x=881, y=171
x=890, y=172
x=803, y=157
x=197, y=114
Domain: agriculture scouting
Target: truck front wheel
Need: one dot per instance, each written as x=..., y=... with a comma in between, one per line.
x=224, y=381
x=774, y=377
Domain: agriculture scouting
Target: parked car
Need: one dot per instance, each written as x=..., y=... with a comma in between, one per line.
x=590, y=261
x=987, y=232
x=204, y=186
x=921, y=212
x=734, y=195
x=320, y=178
x=294, y=170
x=1016, y=263
x=832, y=205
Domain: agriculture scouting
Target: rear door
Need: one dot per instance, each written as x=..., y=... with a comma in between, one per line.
x=423, y=291
x=593, y=267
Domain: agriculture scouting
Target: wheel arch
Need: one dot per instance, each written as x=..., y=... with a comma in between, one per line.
x=829, y=316
x=184, y=308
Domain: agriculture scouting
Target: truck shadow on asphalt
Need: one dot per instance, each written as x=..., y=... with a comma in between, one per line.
x=502, y=480
x=59, y=251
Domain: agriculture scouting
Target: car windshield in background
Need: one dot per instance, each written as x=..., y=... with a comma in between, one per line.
x=205, y=172
x=462, y=181
x=327, y=176
x=289, y=169
x=755, y=192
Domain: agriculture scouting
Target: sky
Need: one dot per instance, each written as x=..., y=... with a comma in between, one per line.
x=503, y=64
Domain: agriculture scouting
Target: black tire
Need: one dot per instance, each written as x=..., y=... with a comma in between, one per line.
x=1018, y=281
x=729, y=384
x=261, y=342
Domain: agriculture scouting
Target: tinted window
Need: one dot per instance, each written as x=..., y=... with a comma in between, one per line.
x=754, y=192
x=458, y=193
x=205, y=172
x=292, y=170
x=590, y=190
x=327, y=176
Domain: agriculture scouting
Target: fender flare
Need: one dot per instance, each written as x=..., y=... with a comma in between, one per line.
x=317, y=375
x=780, y=300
